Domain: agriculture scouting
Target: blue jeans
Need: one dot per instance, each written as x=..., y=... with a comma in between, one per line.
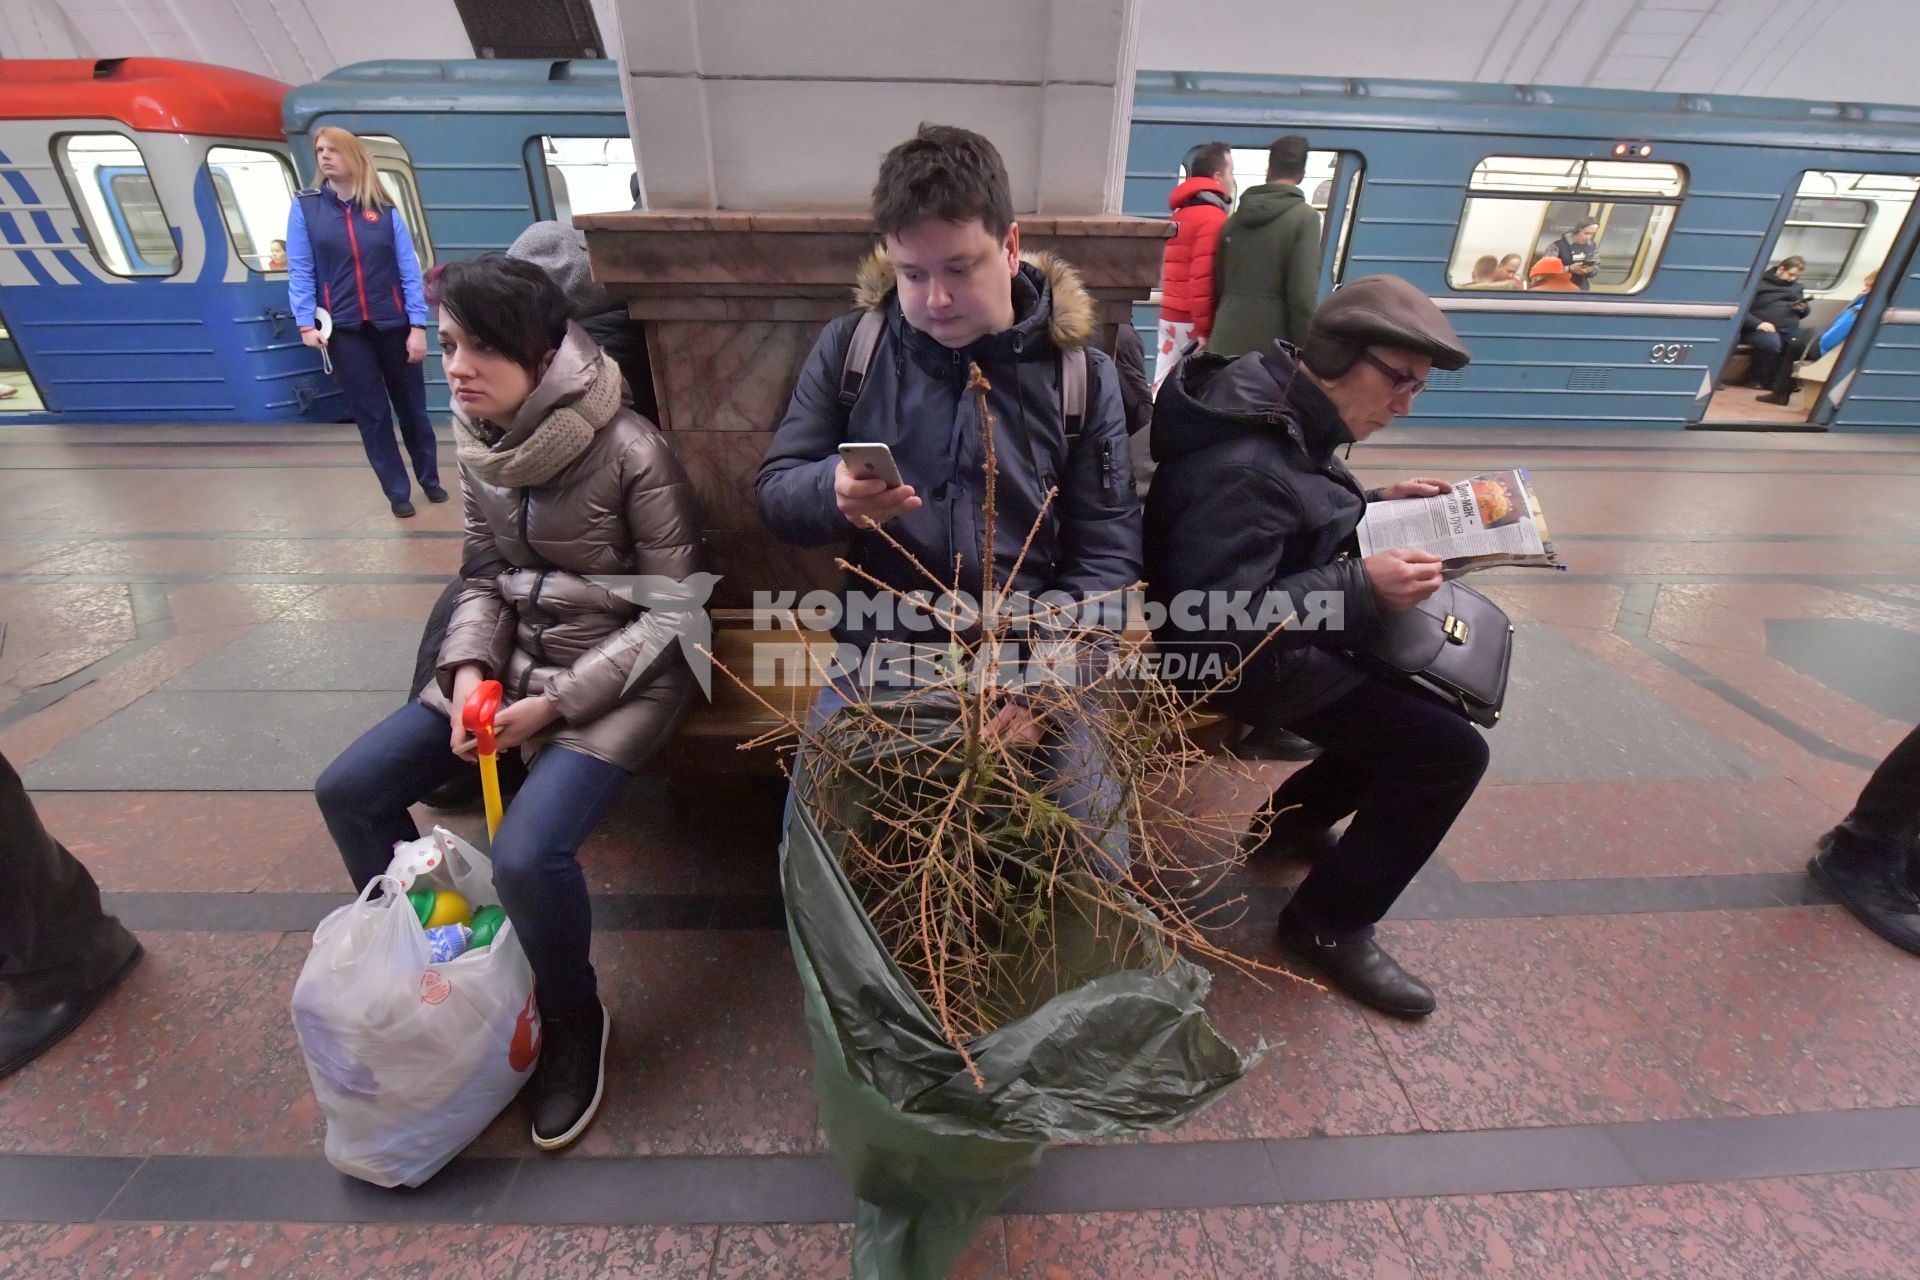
x=364, y=797
x=1070, y=759
x=371, y=366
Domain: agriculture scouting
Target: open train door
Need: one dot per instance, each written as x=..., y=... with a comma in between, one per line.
x=1875, y=382
x=1844, y=227
x=1336, y=223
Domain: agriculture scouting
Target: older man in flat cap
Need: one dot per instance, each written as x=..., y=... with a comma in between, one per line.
x=1251, y=501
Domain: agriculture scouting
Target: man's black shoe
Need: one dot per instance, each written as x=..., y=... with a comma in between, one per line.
x=1287, y=834
x=1879, y=896
x=402, y=508
x=1361, y=969
x=571, y=1076
x=1274, y=744
x=1774, y=398
x=26, y=1033
x=434, y=492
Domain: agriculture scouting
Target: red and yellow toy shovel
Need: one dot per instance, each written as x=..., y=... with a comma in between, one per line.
x=482, y=705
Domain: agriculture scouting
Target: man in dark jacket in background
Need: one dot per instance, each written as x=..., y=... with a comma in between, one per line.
x=1250, y=498
x=1268, y=264
x=1772, y=323
x=954, y=291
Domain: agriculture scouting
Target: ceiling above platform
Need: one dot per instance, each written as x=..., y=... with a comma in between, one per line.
x=1845, y=50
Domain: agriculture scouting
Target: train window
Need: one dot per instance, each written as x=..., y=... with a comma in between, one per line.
x=1323, y=171
x=588, y=175
x=1843, y=225
x=1521, y=210
x=125, y=225
x=254, y=188
x=395, y=170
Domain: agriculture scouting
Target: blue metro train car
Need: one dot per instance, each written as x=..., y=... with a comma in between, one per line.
x=1696, y=197
x=142, y=202
x=474, y=150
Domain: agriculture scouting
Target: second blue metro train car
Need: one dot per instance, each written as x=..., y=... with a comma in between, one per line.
x=1696, y=198
x=475, y=150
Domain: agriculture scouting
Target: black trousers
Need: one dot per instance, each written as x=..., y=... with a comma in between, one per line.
x=1404, y=764
x=1885, y=822
x=371, y=366
x=1799, y=346
x=56, y=940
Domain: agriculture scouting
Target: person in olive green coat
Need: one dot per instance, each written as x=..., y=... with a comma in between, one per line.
x=1267, y=270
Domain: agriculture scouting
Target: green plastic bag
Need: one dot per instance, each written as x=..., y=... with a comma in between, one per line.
x=930, y=1153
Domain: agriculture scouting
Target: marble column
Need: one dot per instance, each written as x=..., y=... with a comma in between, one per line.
x=759, y=126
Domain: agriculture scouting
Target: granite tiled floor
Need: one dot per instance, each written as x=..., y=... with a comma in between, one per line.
x=1727, y=1085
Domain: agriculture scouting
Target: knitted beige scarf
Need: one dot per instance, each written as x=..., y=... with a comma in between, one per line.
x=562, y=436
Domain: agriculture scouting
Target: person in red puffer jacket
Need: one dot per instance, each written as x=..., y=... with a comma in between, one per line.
x=1200, y=206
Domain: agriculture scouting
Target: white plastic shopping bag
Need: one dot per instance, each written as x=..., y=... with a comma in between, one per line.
x=411, y=1060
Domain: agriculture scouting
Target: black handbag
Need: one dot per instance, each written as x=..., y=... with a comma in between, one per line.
x=1456, y=643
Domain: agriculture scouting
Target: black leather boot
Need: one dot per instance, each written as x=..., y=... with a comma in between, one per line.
x=1876, y=885
x=1274, y=744
x=1361, y=969
x=571, y=1076
x=1288, y=833
x=28, y=1032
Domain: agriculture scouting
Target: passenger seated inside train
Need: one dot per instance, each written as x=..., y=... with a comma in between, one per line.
x=1487, y=273
x=1820, y=353
x=1772, y=323
x=277, y=255
x=1550, y=275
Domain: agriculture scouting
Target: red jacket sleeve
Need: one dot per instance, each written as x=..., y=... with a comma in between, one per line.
x=1206, y=244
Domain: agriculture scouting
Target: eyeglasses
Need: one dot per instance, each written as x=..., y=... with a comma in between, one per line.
x=1403, y=382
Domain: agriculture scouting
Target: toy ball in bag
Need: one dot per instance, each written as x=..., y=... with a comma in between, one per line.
x=486, y=923
x=436, y=907
x=446, y=941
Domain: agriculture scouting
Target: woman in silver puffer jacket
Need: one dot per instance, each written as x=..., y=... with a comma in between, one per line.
x=575, y=509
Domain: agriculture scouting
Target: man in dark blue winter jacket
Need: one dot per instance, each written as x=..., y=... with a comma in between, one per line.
x=953, y=291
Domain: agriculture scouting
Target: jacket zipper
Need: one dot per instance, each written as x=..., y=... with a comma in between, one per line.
x=526, y=496
x=359, y=276
x=539, y=628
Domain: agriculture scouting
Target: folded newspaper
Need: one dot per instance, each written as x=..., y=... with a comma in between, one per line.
x=1484, y=522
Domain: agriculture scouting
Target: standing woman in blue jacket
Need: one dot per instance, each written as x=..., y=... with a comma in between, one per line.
x=349, y=251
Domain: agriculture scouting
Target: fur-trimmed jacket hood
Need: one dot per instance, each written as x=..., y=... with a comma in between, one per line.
x=914, y=400
x=1070, y=318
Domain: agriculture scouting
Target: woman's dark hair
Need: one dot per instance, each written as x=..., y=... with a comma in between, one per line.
x=1582, y=225
x=510, y=306
x=942, y=172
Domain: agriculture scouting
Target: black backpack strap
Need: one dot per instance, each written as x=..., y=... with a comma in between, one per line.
x=1073, y=392
x=866, y=339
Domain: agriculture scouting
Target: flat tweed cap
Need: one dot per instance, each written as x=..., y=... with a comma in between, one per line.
x=1379, y=311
